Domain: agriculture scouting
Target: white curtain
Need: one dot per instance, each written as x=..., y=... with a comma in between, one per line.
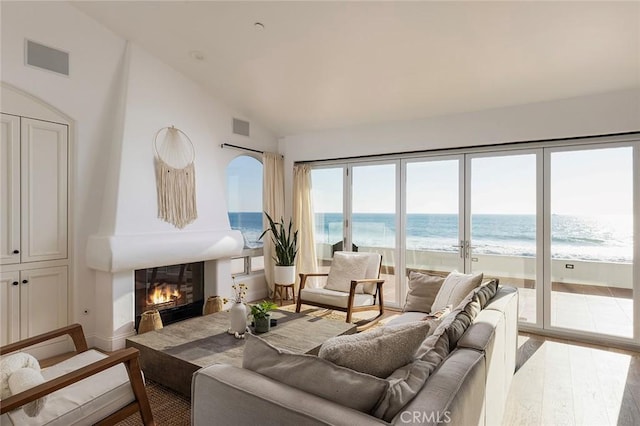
x=303, y=221
x=273, y=203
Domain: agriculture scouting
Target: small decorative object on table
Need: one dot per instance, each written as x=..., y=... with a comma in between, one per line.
x=214, y=304
x=261, y=315
x=238, y=312
x=150, y=321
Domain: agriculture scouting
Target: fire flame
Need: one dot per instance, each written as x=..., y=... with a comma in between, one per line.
x=162, y=294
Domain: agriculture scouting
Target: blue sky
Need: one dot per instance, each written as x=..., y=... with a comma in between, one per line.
x=590, y=182
x=244, y=185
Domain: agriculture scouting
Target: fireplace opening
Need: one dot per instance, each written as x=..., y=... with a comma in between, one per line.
x=176, y=291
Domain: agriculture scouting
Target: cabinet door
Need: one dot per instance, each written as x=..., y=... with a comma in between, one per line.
x=9, y=307
x=43, y=300
x=9, y=190
x=44, y=190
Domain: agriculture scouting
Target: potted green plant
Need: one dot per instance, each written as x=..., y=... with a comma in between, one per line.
x=261, y=315
x=286, y=249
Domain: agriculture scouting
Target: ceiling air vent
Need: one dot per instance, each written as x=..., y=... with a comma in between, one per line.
x=47, y=58
x=240, y=127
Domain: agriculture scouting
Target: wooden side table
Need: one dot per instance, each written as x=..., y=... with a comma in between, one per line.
x=277, y=292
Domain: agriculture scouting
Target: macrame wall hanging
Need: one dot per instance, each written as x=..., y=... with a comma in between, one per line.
x=175, y=177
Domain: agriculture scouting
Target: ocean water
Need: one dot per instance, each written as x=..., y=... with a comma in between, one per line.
x=573, y=237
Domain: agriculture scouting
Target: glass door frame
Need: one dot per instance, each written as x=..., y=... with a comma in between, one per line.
x=589, y=335
x=543, y=292
x=540, y=228
x=461, y=221
x=399, y=221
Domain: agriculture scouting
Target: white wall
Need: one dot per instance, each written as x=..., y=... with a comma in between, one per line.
x=159, y=96
x=589, y=115
x=92, y=97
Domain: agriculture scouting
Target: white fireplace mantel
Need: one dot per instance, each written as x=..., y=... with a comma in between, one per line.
x=117, y=253
x=116, y=257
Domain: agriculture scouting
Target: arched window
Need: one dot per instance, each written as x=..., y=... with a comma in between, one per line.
x=244, y=203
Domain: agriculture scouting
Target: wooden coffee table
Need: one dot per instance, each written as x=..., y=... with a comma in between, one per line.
x=171, y=355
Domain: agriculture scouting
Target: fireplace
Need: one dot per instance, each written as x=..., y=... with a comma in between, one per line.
x=176, y=291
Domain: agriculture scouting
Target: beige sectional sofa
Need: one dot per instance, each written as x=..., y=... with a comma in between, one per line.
x=469, y=387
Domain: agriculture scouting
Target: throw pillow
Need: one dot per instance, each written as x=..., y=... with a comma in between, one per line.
x=314, y=375
x=19, y=372
x=345, y=267
x=404, y=385
x=379, y=352
x=423, y=289
x=468, y=310
x=455, y=287
x=407, y=381
x=486, y=292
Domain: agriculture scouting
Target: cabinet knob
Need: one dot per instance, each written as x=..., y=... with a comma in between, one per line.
x=16, y=252
x=25, y=281
x=15, y=283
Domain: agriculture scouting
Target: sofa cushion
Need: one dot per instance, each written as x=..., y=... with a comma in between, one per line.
x=406, y=317
x=407, y=381
x=454, y=394
x=454, y=289
x=345, y=267
x=423, y=289
x=404, y=384
x=379, y=352
x=85, y=402
x=314, y=375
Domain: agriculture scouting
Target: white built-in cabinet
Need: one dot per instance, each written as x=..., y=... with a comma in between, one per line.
x=33, y=301
x=33, y=227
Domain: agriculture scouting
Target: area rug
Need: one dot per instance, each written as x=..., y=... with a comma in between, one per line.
x=168, y=407
x=358, y=318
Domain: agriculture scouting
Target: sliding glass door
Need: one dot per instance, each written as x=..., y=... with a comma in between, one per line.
x=328, y=205
x=590, y=215
x=433, y=219
x=374, y=218
x=555, y=221
x=502, y=221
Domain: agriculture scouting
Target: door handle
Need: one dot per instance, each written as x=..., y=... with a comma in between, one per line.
x=16, y=252
x=15, y=283
x=25, y=281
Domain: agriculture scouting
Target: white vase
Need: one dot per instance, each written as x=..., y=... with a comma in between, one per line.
x=238, y=315
x=284, y=275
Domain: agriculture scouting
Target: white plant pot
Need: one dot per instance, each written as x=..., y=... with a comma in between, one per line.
x=284, y=275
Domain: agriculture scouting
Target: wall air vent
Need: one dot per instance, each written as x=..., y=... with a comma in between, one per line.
x=240, y=127
x=47, y=58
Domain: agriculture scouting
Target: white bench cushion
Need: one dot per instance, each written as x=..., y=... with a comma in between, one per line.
x=335, y=298
x=85, y=402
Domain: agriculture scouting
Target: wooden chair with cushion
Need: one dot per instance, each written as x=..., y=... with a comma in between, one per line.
x=353, y=284
x=89, y=387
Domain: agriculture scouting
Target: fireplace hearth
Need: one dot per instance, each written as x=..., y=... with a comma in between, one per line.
x=176, y=291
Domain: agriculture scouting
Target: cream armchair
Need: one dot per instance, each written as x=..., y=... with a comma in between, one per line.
x=88, y=388
x=353, y=284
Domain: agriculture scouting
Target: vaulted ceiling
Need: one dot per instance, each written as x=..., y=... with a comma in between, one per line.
x=318, y=65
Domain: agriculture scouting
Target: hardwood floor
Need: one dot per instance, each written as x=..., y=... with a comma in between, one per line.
x=558, y=382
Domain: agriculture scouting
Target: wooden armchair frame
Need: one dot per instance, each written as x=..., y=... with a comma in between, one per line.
x=350, y=309
x=128, y=357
